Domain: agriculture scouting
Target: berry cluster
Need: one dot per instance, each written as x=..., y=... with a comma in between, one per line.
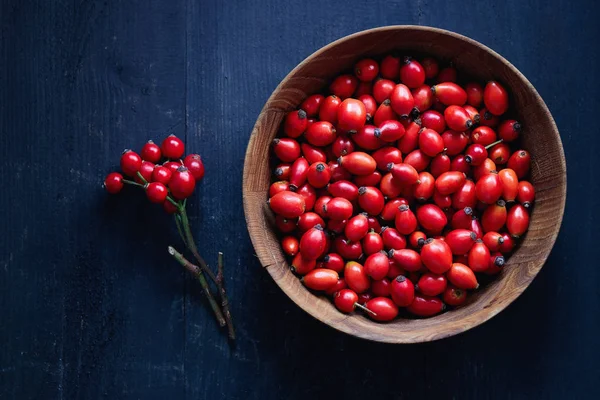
x=175, y=176
x=170, y=184
x=400, y=187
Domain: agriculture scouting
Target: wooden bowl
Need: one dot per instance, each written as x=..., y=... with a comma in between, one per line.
x=540, y=137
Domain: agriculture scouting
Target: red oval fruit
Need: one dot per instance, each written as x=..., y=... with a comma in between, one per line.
x=462, y=277
x=358, y=163
x=510, y=184
x=454, y=296
x=356, y=277
x=407, y=259
x=351, y=115
x=131, y=163
x=493, y=241
x=462, y=218
x=525, y=193
x=345, y=300
x=474, y=94
x=410, y=140
x=425, y=187
x=500, y=153
x=402, y=291
x=489, y=188
x=287, y=150
x=309, y=194
x=431, y=284
x=390, y=131
x=371, y=200
x=370, y=105
x=347, y=249
x=381, y=288
x=426, y=306
x=301, y=266
x=320, y=279
x=436, y=255
x=392, y=239
x=423, y=97
x=486, y=167
x=449, y=93
x=343, y=188
x=430, y=142
x=520, y=162
x=287, y=204
x=432, y=218
x=495, y=98
x=338, y=209
x=417, y=239
x=290, y=245
x=182, y=184
x=412, y=73
x=418, y=159
x=372, y=243
x=344, y=86
x=406, y=221
x=382, y=90
x=312, y=104
x=295, y=123
x=402, y=101
x=434, y=120
x=431, y=67
x=312, y=243
x=386, y=155
x=457, y=118
x=357, y=227
x=509, y=130
x=321, y=133
x=390, y=67
x=382, y=308
x=309, y=220
x=465, y=196
x=172, y=147
x=439, y=165
x=450, y=182
x=391, y=208
x=479, y=257
x=517, y=220
x=366, y=69
x=460, y=241
x=285, y=225
x=298, y=173
x=377, y=265
x=494, y=216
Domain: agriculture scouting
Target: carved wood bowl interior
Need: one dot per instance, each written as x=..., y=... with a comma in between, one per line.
x=539, y=136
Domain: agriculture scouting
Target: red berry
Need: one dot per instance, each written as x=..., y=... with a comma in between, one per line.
x=345, y=300
x=402, y=291
x=146, y=171
x=161, y=174
x=412, y=73
x=113, y=183
x=194, y=164
x=182, y=184
x=295, y=123
x=351, y=115
x=151, y=152
x=130, y=163
x=172, y=147
x=344, y=86
x=169, y=207
x=156, y=192
x=495, y=98
x=366, y=69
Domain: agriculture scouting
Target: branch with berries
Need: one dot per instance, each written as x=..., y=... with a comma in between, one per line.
x=170, y=184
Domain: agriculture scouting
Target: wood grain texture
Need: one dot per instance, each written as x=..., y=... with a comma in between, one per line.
x=540, y=137
x=92, y=306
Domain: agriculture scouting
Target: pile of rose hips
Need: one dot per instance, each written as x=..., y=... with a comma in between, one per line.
x=175, y=176
x=400, y=187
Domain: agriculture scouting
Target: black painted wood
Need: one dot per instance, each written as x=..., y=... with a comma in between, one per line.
x=91, y=304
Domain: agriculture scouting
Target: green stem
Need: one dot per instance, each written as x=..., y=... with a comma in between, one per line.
x=191, y=244
x=493, y=144
x=224, y=299
x=132, y=183
x=179, y=229
x=194, y=269
x=139, y=174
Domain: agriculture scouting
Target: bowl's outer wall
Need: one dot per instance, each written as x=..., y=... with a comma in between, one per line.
x=540, y=137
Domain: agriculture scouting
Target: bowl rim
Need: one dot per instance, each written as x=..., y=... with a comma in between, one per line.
x=403, y=339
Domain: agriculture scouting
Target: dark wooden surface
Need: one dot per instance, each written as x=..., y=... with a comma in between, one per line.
x=92, y=306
